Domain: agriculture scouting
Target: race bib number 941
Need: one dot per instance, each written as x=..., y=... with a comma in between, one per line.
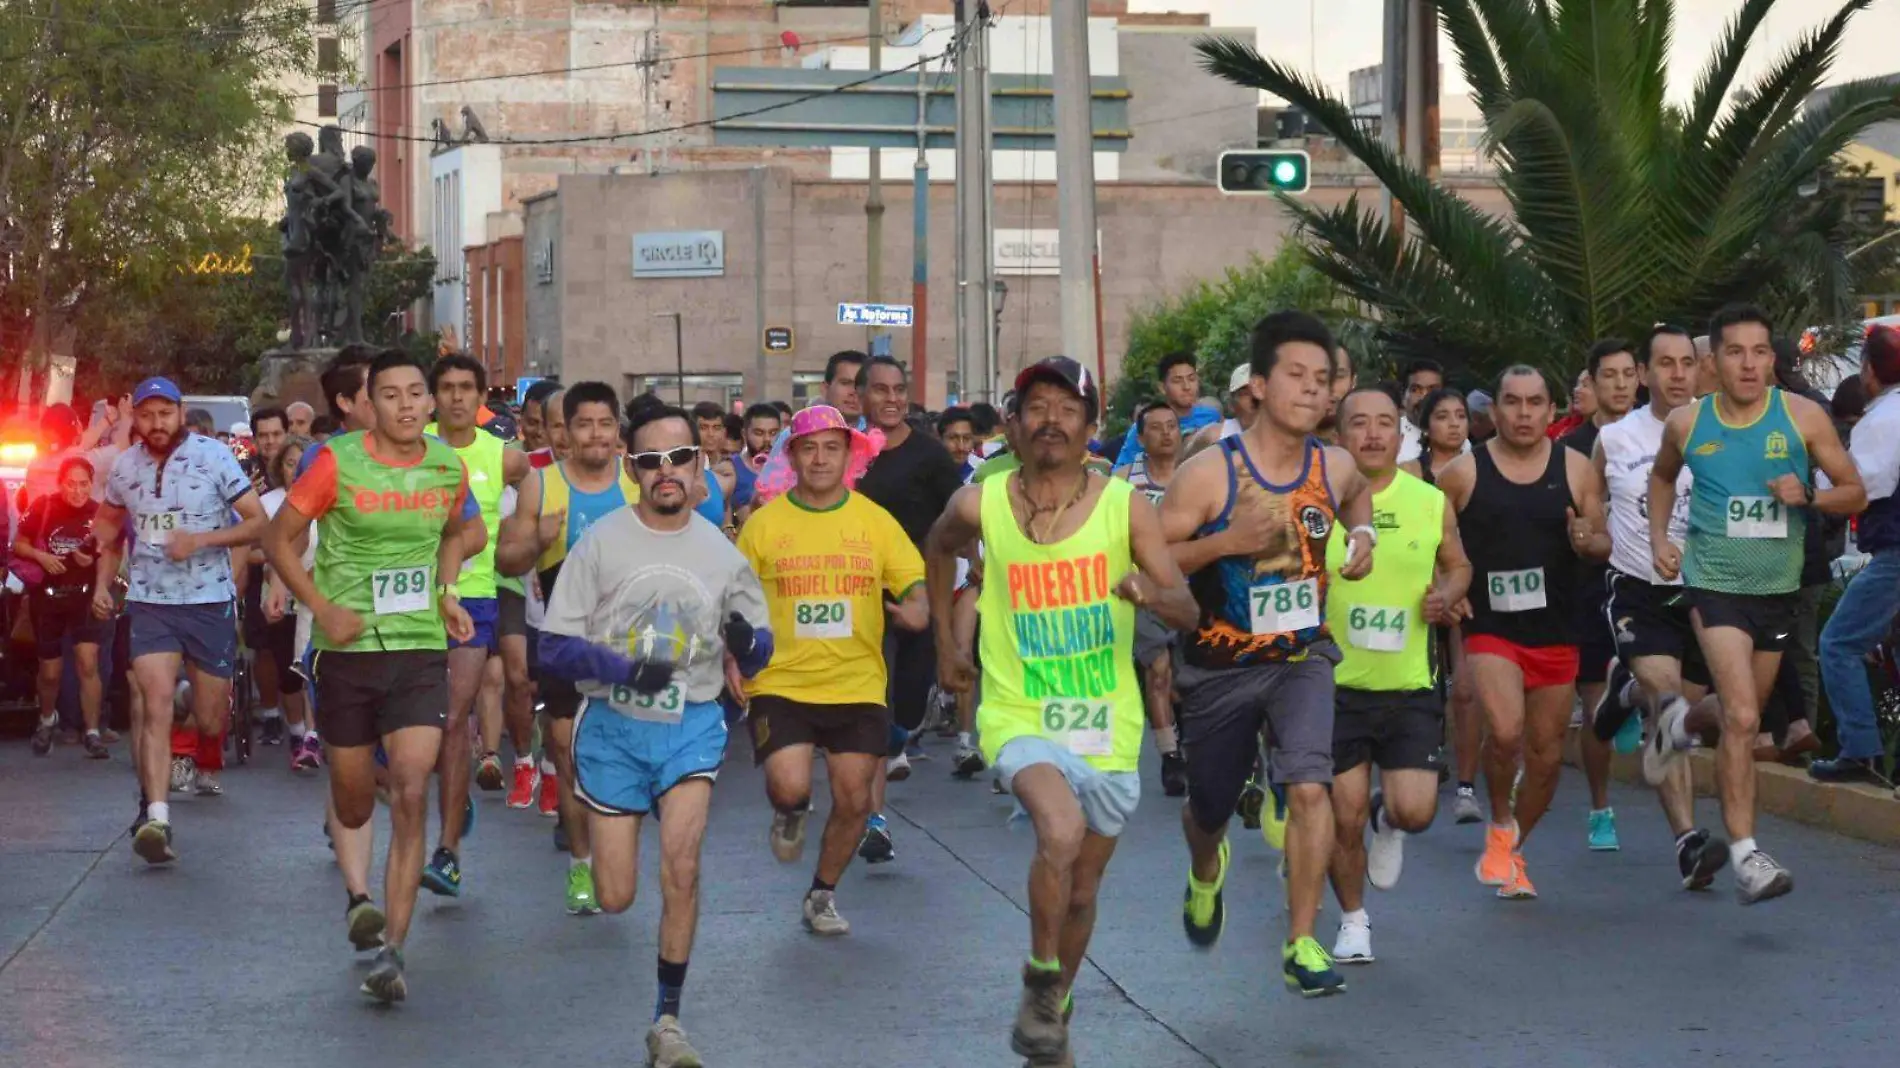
x=1081, y=726
x=665, y=706
x=1288, y=606
x=1757, y=517
x=822, y=619
x=397, y=590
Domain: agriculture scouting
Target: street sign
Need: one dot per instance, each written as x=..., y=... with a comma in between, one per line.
x=898, y=315
x=778, y=339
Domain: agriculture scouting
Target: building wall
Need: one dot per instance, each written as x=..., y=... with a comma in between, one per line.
x=541, y=295
x=497, y=334
x=388, y=59
x=1181, y=117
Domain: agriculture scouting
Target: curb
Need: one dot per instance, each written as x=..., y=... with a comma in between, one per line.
x=1869, y=813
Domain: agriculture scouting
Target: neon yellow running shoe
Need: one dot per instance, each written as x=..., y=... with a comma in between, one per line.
x=1273, y=819
x=1309, y=970
x=1202, y=911
x=580, y=890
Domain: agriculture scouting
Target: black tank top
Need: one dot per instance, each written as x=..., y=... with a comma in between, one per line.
x=1523, y=571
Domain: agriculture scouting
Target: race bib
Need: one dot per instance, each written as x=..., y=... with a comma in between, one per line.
x=1288, y=606
x=1516, y=591
x=1757, y=517
x=155, y=528
x=1376, y=628
x=1079, y=725
x=822, y=619
x=665, y=706
x=398, y=590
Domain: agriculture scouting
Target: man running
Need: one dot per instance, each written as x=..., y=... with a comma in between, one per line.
x=1527, y=509
x=459, y=385
x=1070, y=555
x=648, y=605
x=1160, y=433
x=389, y=508
x=827, y=558
x=1181, y=391
x=1749, y=446
x=189, y=505
x=1647, y=615
x=1249, y=522
x=1386, y=710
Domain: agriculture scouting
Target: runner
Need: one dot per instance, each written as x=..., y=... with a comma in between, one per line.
x=53, y=555
x=1071, y=555
x=1648, y=616
x=1180, y=383
x=557, y=505
x=1160, y=434
x=189, y=504
x=648, y=604
x=459, y=385
x=827, y=558
x=279, y=625
x=1386, y=710
x=1748, y=445
x=1527, y=509
x=1250, y=523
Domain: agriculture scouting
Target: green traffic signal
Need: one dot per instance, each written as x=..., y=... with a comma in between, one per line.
x=1245, y=173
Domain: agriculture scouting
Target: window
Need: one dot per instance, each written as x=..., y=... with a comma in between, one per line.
x=329, y=59
x=326, y=11
x=326, y=101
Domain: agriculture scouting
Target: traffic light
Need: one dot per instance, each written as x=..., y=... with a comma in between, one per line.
x=1265, y=171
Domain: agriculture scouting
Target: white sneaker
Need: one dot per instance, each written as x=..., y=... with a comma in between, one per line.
x=1385, y=857
x=1464, y=806
x=1354, y=944
x=1759, y=878
x=1660, y=751
x=788, y=836
x=207, y=785
x=821, y=915
x=667, y=1046
x=182, y=769
x=897, y=768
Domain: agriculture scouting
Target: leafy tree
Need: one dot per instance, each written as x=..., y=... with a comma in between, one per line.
x=1627, y=209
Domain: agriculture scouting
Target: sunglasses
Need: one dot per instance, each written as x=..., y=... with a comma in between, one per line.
x=653, y=461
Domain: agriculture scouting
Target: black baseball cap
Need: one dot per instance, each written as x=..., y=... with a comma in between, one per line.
x=1066, y=373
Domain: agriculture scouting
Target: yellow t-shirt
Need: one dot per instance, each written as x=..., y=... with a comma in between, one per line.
x=825, y=575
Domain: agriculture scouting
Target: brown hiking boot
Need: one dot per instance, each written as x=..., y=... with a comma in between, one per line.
x=1040, y=1033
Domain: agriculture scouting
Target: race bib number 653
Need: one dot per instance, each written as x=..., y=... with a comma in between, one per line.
x=665, y=706
x=1079, y=725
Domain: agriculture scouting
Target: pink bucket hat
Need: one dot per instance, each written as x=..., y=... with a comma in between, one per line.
x=778, y=476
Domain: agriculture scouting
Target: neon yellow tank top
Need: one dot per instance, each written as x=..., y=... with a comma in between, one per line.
x=1058, y=647
x=1376, y=619
x=487, y=478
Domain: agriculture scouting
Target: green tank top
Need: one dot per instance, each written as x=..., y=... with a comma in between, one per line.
x=1058, y=647
x=1385, y=644
x=487, y=479
x=1742, y=539
x=376, y=547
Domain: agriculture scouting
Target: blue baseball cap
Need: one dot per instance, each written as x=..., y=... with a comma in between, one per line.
x=157, y=388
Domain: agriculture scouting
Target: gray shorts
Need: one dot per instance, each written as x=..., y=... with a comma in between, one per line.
x=1152, y=637
x=1220, y=717
x=1108, y=798
x=204, y=634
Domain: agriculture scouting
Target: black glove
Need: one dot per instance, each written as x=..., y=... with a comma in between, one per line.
x=648, y=677
x=739, y=635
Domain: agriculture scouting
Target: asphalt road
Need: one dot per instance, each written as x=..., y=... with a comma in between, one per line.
x=236, y=955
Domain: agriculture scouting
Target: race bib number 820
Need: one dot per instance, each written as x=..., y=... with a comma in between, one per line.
x=822, y=619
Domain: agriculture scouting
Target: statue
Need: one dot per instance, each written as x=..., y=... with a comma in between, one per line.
x=334, y=229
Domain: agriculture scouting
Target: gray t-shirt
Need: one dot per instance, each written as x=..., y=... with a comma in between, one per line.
x=651, y=595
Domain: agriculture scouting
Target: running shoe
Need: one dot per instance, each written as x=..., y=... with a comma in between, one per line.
x=1354, y=944
x=1174, y=774
x=550, y=799
x=876, y=846
x=787, y=837
x=1662, y=750
x=1629, y=737
x=307, y=754
x=1040, y=1033
x=443, y=874
x=206, y=785
x=488, y=773
x=897, y=768
x=1253, y=797
x=580, y=890
x=183, y=767
x=95, y=748
x=527, y=781
x=1699, y=856
x=1464, y=806
x=968, y=762
x=1385, y=857
x=1603, y=831
x=43, y=737
x=821, y=914
x=667, y=1046
x=1273, y=819
x=1758, y=878
x=153, y=842
x=1844, y=769
x=1309, y=969
x=366, y=923
x=1518, y=887
x=1494, y=866
x=384, y=981
x=1203, y=912
x=271, y=732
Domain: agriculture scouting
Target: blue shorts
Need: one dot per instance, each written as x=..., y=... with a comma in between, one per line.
x=204, y=634
x=623, y=765
x=1108, y=797
x=486, y=612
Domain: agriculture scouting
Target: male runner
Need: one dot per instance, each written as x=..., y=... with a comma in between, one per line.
x=557, y=505
x=181, y=493
x=459, y=385
x=1748, y=445
x=1649, y=616
x=1249, y=522
x=1527, y=509
x=1180, y=384
x=388, y=504
x=1386, y=708
x=1160, y=433
x=827, y=558
x=1071, y=555
x=648, y=605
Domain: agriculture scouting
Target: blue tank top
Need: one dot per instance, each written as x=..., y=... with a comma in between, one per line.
x=1741, y=538
x=585, y=509
x=714, y=506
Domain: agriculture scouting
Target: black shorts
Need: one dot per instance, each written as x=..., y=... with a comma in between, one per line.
x=911, y=659
x=1768, y=618
x=56, y=617
x=778, y=723
x=363, y=696
x=1398, y=731
x=512, y=617
x=1650, y=620
x=1595, y=641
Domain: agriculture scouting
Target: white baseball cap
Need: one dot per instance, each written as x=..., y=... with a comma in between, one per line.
x=1241, y=376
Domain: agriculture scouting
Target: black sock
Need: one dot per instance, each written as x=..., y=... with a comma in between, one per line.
x=672, y=979
x=355, y=900
x=820, y=884
x=1462, y=785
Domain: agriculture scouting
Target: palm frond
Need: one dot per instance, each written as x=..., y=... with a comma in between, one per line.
x=1477, y=55
x=1712, y=86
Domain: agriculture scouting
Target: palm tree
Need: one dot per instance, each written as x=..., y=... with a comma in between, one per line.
x=1627, y=209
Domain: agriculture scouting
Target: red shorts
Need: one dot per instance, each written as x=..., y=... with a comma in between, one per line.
x=1542, y=665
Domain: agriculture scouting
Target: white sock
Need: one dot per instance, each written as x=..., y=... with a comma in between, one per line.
x=1739, y=850
x=575, y=862
x=547, y=768
x=298, y=730
x=1165, y=741
x=963, y=739
x=525, y=761
x=49, y=721
x=270, y=713
x=159, y=812
x=92, y=732
x=1357, y=916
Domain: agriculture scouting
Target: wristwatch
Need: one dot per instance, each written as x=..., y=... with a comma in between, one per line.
x=447, y=589
x=1371, y=533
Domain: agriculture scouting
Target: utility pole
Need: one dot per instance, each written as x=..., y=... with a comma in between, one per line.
x=1409, y=115
x=1075, y=175
x=874, y=186
x=920, y=248
x=976, y=339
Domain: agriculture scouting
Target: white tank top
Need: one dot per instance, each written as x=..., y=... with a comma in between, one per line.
x=1629, y=451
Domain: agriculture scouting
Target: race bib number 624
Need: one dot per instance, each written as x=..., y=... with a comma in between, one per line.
x=1079, y=725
